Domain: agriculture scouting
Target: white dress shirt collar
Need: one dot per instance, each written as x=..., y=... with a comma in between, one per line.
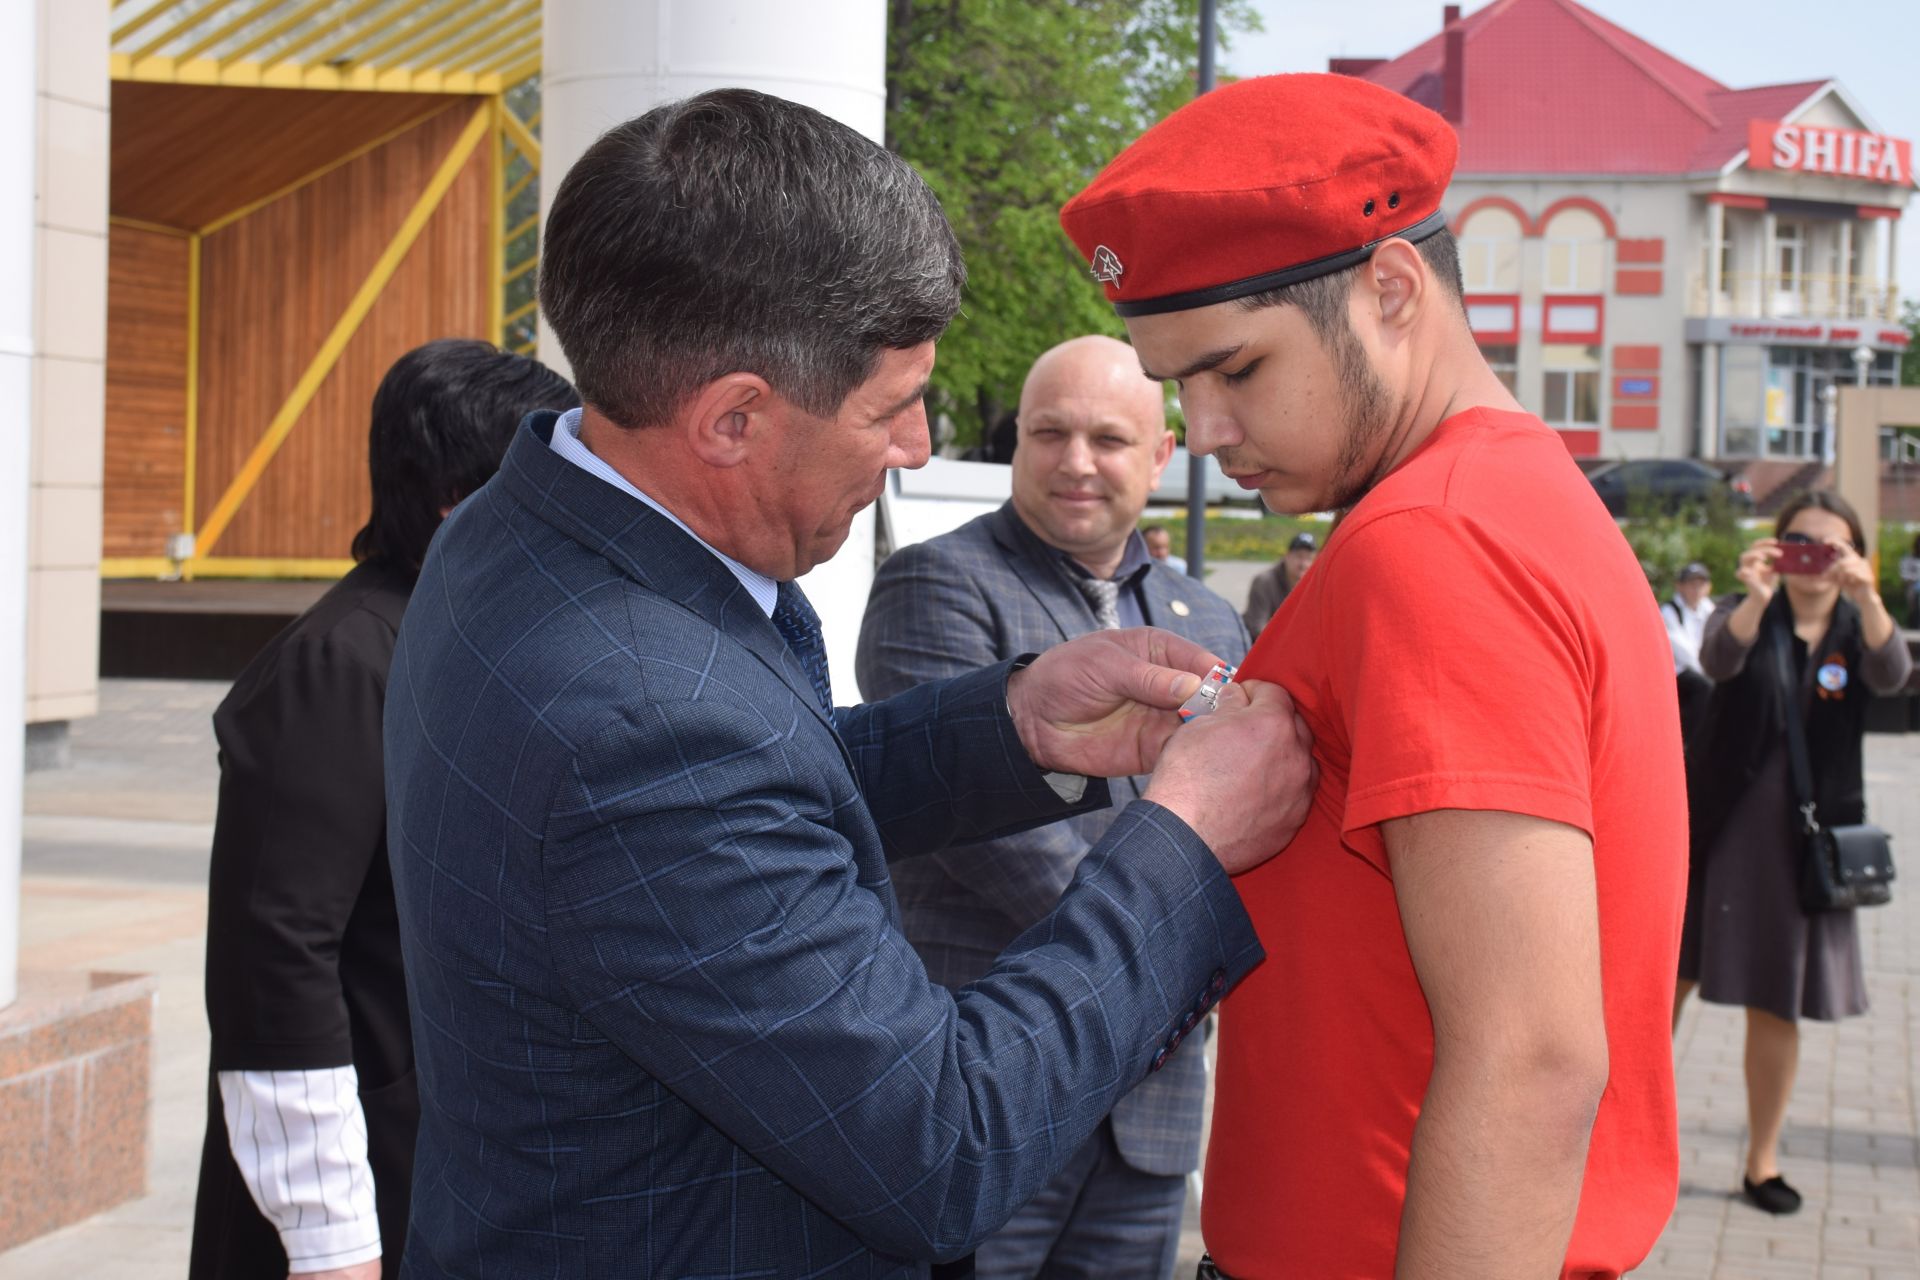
x=567, y=443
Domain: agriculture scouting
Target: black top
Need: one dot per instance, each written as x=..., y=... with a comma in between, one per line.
x=303, y=944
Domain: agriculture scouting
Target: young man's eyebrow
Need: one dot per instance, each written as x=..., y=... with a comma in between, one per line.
x=1211, y=360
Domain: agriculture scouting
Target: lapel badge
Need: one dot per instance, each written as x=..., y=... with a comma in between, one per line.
x=1180, y=609
x=1106, y=265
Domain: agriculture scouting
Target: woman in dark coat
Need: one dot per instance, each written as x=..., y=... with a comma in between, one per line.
x=1747, y=940
x=312, y=1111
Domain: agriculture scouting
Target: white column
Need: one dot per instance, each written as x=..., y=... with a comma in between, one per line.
x=1769, y=261
x=1716, y=241
x=607, y=61
x=1893, y=266
x=1882, y=272
x=1843, y=287
x=18, y=178
x=1710, y=400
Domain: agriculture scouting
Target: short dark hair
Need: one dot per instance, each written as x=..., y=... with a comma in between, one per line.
x=737, y=232
x=1146, y=529
x=441, y=422
x=1824, y=500
x=1324, y=298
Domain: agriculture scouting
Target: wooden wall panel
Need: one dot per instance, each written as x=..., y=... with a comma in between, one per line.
x=146, y=390
x=274, y=284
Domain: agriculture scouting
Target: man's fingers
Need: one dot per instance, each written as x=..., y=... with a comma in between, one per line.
x=1267, y=696
x=1164, y=648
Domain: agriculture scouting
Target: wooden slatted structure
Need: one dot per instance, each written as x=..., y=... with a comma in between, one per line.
x=300, y=192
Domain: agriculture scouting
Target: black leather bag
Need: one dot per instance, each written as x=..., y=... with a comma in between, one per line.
x=1840, y=867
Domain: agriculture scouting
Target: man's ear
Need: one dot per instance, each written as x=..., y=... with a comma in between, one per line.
x=1162, y=454
x=727, y=417
x=1395, y=285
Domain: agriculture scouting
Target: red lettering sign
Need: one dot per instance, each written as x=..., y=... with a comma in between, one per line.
x=1840, y=153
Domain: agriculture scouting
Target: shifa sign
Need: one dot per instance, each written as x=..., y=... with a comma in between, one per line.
x=1840, y=153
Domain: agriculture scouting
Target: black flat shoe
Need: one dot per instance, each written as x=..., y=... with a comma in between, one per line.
x=1773, y=1195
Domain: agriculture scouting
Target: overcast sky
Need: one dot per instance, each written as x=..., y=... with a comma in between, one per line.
x=1870, y=46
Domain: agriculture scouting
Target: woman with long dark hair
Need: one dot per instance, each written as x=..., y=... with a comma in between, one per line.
x=1748, y=940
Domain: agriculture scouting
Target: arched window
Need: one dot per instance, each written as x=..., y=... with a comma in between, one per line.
x=1576, y=252
x=1490, y=251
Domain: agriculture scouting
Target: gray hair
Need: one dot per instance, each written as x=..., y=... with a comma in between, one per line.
x=736, y=232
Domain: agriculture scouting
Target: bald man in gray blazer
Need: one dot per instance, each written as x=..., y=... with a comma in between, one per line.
x=1063, y=558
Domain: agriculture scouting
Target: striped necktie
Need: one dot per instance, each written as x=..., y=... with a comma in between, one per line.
x=799, y=626
x=1104, y=595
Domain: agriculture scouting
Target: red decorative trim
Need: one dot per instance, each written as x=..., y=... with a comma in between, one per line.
x=1628, y=359
x=1592, y=337
x=1636, y=417
x=1644, y=282
x=1877, y=211
x=1528, y=227
x=1593, y=207
x=1496, y=337
x=1581, y=444
x=1734, y=200
x=1622, y=391
x=1650, y=251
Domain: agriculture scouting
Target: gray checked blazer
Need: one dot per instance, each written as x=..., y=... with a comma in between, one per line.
x=664, y=1018
x=986, y=592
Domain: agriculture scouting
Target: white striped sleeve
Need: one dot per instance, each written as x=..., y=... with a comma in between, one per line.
x=300, y=1141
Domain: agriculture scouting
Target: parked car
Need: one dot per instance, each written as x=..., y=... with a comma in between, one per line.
x=1172, y=489
x=1666, y=485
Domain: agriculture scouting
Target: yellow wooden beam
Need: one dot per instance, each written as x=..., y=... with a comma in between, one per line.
x=267, y=35
x=431, y=28
x=524, y=309
x=533, y=121
x=332, y=26
x=518, y=134
x=438, y=52
x=138, y=567
x=269, y=567
x=159, y=10
x=522, y=269
x=246, y=19
x=508, y=50
x=175, y=31
x=532, y=172
x=526, y=349
x=254, y=206
x=521, y=228
x=515, y=76
x=343, y=330
x=140, y=224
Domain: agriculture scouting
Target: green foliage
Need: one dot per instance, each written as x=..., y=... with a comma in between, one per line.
x=1910, y=358
x=1664, y=543
x=1239, y=538
x=1895, y=541
x=1008, y=108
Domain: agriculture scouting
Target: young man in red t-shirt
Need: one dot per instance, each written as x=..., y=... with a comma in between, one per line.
x=1455, y=1060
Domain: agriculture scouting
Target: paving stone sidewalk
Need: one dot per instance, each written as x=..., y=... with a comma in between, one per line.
x=116, y=874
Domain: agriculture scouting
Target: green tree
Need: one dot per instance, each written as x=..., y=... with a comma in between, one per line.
x=1008, y=107
x=1910, y=358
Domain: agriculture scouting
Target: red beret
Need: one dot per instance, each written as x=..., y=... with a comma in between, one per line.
x=1260, y=184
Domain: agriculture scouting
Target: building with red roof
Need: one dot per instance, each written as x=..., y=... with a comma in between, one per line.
x=1658, y=264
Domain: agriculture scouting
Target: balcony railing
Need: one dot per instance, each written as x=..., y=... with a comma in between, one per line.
x=1806, y=296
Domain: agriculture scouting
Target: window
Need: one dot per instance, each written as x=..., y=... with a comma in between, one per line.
x=1490, y=252
x=1576, y=253
x=1789, y=254
x=1505, y=363
x=1572, y=385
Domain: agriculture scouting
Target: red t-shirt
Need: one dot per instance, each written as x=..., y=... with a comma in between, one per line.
x=1476, y=635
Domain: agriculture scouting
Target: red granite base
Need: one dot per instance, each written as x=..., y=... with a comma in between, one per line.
x=75, y=1054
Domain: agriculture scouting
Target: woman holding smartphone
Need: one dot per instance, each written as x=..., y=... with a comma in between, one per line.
x=1747, y=940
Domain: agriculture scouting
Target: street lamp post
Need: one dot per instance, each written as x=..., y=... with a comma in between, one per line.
x=1197, y=465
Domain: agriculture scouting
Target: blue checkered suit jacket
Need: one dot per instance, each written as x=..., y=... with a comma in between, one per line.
x=988, y=591
x=665, y=1020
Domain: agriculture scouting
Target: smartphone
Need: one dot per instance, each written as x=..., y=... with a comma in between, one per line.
x=1805, y=557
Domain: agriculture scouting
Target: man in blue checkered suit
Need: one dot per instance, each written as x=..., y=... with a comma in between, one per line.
x=1062, y=559
x=665, y=1021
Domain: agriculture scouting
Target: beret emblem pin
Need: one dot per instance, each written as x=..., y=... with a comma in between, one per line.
x=1106, y=265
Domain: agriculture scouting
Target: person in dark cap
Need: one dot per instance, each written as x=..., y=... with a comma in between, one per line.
x=1270, y=589
x=1686, y=614
x=1456, y=1060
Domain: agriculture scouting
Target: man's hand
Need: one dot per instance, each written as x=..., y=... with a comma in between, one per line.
x=1104, y=704
x=1243, y=777
x=369, y=1270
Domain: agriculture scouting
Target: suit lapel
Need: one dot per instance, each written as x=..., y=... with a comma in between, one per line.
x=1042, y=574
x=648, y=548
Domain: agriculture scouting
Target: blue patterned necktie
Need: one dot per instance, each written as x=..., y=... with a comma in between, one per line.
x=799, y=626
